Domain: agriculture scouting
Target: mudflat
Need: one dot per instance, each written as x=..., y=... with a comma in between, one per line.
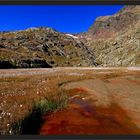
x=100, y=100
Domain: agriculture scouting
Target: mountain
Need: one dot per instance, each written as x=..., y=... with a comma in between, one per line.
x=42, y=47
x=112, y=40
x=115, y=39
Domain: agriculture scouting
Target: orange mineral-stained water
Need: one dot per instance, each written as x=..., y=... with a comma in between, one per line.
x=83, y=116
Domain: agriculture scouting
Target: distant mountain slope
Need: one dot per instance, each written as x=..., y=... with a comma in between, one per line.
x=115, y=40
x=42, y=47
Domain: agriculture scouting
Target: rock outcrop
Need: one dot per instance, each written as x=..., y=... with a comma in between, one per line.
x=115, y=40
x=111, y=41
x=42, y=47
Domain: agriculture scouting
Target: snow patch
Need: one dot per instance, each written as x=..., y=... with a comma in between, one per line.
x=71, y=35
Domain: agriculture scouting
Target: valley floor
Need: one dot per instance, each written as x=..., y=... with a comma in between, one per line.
x=100, y=100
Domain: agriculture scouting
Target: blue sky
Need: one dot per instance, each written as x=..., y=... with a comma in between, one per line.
x=70, y=19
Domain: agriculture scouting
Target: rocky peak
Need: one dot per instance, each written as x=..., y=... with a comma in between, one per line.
x=107, y=26
x=115, y=39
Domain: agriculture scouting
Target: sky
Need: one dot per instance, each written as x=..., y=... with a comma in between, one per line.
x=69, y=19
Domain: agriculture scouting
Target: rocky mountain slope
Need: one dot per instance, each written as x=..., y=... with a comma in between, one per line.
x=115, y=40
x=42, y=47
x=111, y=41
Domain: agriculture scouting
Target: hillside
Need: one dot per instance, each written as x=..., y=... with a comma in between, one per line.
x=115, y=39
x=42, y=47
x=112, y=40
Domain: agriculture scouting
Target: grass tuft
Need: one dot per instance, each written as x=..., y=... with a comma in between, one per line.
x=31, y=123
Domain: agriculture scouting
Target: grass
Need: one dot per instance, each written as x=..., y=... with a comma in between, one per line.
x=31, y=123
x=24, y=99
x=51, y=103
x=21, y=96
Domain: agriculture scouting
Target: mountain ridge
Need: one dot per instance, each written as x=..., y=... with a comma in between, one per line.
x=115, y=39
x=42, y=47
x=112, y=40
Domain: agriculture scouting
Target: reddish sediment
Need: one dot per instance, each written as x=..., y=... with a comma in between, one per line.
x=84, y=117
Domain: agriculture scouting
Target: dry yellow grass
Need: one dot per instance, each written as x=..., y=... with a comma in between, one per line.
x=19, y=94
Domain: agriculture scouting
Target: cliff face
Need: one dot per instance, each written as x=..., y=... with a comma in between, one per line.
x=42, y=47
x=115, y=39
x=108, y=25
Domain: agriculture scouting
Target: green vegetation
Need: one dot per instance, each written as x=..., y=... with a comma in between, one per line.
x=32, y=121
